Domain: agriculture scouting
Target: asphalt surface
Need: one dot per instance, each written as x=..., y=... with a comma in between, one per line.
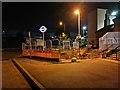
x=91, y=73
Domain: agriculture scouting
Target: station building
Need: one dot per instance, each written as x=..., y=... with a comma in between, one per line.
x=101, y=21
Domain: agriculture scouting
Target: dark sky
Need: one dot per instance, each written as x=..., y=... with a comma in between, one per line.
x=29, y=16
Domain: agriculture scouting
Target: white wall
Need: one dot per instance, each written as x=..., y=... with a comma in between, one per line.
x=100, y=18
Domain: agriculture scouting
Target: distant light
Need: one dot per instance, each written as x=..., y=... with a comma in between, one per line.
x=61, y=23
x=3, y=31
x=84, y=27
x=77, y=12
x=82, y=37
x=63, y=34
x=114, y=13
x=52, y=37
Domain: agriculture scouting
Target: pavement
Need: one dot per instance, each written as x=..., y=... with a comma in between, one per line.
x=11, y=77
x=109, y=60
x=89, y=73
x=8, y=54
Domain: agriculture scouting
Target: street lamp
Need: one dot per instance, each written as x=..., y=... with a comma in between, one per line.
x=61, y=24
x=84, y=30
x=114, y=13
x=77, y=12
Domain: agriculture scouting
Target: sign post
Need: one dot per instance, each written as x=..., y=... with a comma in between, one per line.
x=43, y=30
x=66, y=44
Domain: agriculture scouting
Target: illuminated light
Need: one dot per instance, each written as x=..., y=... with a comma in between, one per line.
x=61, y=23
x=63, y=34
x=114, y=13
x=84, y=27
x=82, y=37
x=78, y=36
x=43, y=29
x=77, y=12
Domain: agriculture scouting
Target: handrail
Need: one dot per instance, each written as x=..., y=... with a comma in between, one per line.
x=107, y=48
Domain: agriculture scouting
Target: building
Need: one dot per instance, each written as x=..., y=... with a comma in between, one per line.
x=101, y=21
x=95, y=22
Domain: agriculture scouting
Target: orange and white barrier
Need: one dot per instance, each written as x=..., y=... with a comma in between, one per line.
x=43, y=54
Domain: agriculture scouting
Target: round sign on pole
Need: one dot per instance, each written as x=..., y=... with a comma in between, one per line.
x=43, y=29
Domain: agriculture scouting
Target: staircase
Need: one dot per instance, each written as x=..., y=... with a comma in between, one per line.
x=114, y=55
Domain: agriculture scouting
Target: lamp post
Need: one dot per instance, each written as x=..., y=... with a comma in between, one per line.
x=84, y=30
x=30, y=45
x=61, y=24
x=77, y=12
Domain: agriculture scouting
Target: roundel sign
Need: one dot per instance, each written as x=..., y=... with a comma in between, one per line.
x=43, y=29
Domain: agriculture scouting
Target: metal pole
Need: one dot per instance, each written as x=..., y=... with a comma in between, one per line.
x=43, y=41
x=51, y=44
x=78, y=24
x=83, y=33
x=79, y=32
x=29, y=34
x=60, y=49
x=64, y=28
x=116, y=54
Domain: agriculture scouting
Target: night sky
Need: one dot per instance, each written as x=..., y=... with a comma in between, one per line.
x=29, y=16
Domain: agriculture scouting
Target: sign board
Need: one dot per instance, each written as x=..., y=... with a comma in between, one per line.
x=66, y=45
x=76, y=45
x=43, y=29
x=39, y=42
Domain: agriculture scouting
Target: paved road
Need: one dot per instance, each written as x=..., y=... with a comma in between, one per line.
x=85, y=74
x=11, y=77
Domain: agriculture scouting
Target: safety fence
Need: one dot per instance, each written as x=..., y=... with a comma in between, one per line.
x=43, y=54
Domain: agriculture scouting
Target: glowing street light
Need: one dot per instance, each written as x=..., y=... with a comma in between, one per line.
x=61, y=24
x=114, y=13
x=63, y=34
x=84, y=30
x=77, y=12
x=84, y=27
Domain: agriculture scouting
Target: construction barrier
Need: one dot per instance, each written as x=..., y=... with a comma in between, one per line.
x=43, y=54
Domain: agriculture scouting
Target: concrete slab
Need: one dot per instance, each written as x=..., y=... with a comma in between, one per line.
x=11, y=77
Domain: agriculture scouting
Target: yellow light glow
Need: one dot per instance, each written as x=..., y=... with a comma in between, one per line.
x=63, y=34
x=77, y=12
x=78, y=36
x=61, y=23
